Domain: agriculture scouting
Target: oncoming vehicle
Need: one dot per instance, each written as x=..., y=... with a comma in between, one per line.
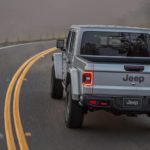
x=102, y=68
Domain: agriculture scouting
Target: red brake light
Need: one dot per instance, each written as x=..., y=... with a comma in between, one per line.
x=88, y=78
x=92, y=102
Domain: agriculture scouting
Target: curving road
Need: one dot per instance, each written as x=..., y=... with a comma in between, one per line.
x=43, y=117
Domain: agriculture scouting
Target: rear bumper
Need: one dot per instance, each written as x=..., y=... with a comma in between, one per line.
x=116, y=103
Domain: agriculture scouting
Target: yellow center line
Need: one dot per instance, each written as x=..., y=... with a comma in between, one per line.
x=7, y=114
x=17, y=119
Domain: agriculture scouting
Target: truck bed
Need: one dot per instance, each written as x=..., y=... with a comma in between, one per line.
x=111, y=59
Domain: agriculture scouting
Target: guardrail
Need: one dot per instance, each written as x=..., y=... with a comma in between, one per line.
x=19, y=39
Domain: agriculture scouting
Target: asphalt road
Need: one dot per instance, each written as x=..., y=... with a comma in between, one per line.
x=43, y=117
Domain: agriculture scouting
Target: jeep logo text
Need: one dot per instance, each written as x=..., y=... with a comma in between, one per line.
x=139, y=79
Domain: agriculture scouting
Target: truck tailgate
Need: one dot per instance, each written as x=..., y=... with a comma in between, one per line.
x=114, y=79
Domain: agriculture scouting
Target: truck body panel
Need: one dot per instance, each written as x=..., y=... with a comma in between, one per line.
x=58, y=65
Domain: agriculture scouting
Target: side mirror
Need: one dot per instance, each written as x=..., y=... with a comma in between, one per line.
x=60, y=44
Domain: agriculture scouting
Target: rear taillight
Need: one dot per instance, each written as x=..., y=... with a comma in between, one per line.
x=87, y=78
x=92, y=102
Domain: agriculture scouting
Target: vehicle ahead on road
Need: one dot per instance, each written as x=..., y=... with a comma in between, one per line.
x=102, y=68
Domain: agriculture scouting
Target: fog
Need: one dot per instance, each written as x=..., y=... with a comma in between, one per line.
x=42, y=16
x=139, y=17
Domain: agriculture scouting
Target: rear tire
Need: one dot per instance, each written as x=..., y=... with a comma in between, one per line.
x=74, y=112
x=56, y=90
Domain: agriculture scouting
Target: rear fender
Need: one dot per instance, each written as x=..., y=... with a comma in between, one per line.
x=58, y=65
x=75, y=83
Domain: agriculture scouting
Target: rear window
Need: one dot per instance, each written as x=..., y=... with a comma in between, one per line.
x=115, y=44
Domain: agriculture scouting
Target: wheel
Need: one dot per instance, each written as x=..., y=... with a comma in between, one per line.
x=56, y=90
x=74, y=114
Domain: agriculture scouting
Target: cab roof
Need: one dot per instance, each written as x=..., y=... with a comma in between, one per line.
x=111, y=28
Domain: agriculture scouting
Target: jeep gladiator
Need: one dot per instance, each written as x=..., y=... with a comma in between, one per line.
x=102, y=68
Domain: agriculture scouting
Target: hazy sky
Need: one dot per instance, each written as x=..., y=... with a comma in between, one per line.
x=31, y=16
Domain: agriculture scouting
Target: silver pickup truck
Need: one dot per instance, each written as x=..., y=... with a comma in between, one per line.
x=102, y=68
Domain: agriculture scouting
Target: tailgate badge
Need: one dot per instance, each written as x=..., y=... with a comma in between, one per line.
x=131, y=78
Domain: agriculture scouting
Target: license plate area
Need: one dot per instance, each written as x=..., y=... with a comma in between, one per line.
x=132, y=102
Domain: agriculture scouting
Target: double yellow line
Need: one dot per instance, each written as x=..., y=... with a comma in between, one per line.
x=16, y=84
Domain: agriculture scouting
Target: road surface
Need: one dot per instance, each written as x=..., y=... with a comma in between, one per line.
x=43, y=117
